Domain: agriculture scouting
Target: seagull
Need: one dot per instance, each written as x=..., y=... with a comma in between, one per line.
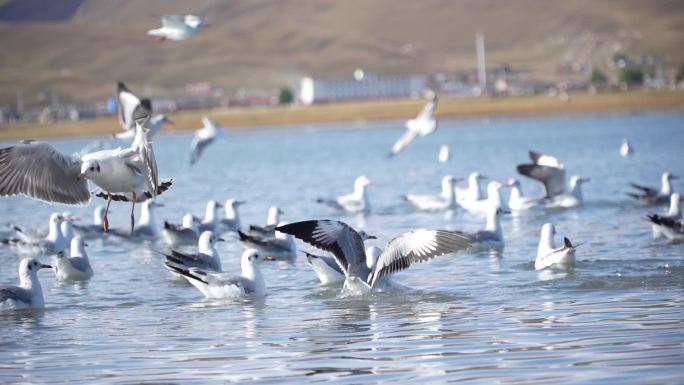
x=177, y=27
x=154, y=126
x=29, y=293
x=272, y=220
x=517, y=202
x=355, y=202
x=232, y=219
x=207, y=259
x=551, y=172
x=493, y=200
x=225, y=285
x=210, y=221
x=95, y=230
x=282, y=247
x=550, y=256
x=74, y=268
x=347, y=247
x=203, y=137
x=53, y=243
x=473, y=192
x=649, y=195
x=38, y=170
x=492, y=235
x=444, y=154
x=674, y=213
x=626, y=149
x=672, y=229
x=444, y=201
x=424, y=124
x=147, y=225
x=327, y=269
x=129, y=106
x=185, y=234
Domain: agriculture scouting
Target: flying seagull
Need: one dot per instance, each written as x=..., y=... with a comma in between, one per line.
x=422, y=125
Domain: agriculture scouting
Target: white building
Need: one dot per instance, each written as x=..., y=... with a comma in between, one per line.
x=360, y=87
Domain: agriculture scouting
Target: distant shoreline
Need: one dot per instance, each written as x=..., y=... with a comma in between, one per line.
x=242, y=118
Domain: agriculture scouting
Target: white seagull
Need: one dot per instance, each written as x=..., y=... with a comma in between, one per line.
x=154, y=126
x=347, y=247
x=672, y=229
x=207, y=258
x=484, y=206
x=446, y=200
x=94, y=230
x=424, y=124
x=327, y=269
x=550, y=256
x=232, y=219
x=492, y=235
x=38, y=170
x=444, y=154
x=29, y=293
x=147, y=225
x=517, y=202
x=74, y=268
x=53, y=243
x=650, y=195
x=473, y=192
x=551, y=172
x=203, y=137
x=187, y=233
x=210, y=221
x=225, y=285
x=272, y=221
x=674, y=214
x=356, y=202
x=626, y=148
x=129, y=106
x=177, y=27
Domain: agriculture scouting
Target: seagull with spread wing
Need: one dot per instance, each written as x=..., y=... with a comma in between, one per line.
x=347, y=247
x=203, y=138
x=177, y=27
x=422, y=125
x=551, y=172
x=130, y=105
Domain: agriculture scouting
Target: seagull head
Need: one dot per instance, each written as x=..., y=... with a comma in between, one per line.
x=30, y=266
x=89, y=169
x=251, y=257
x=363, y=181
x=548, y=231
x=365, y=236
x=668, y=176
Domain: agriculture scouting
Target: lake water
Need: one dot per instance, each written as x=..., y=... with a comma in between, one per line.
x=472, y=317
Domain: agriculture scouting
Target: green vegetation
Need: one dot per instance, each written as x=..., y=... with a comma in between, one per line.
x=680, y=73
x=598, y=77
x=632, y=76
x=286, y=96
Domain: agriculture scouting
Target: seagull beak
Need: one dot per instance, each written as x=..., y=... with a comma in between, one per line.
x=71, y=218
x=586, y=180
x=81, y=176
x=674, y=177
x=85, y=244
x=506, y=212
x=220, y=240
x=371, y=237
x=158, y=204
x=240, y=203
x=45, y=267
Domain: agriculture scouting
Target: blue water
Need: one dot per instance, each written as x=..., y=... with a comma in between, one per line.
x=476, y=317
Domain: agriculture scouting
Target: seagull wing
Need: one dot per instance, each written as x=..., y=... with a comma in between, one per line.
x=127, y=103
x=416, y=246
x=16, y=293
x=553, y=178
x=173, y=21
x=337, y=237
x=403, y=141
x=40, y=171
x=197, y=148
x=80, y=263
x=428, y=110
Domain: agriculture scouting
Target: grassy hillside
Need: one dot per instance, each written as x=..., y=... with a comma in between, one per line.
x=268, y=43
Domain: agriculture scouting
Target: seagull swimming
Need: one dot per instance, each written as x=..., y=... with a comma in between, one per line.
x=38, y=170
x=444, y=154
x=674, y=213
x=424, y=124
x=492, y=235
x=347, y=247
x=550, y=256
x=444, y=201
x=147, y=224
x=356, y=202
x=626, y=148
x=74, y=268
x=517, y=202
x=232, y=219
x=551, y=172
x=94, y=230
x=53, y=243
x=329, y=271
x=672, y=229
x=272, y=221
x=280, y=248
x=207, y=258
x=493, y=200
x=202, y=138
x=225, y=285
x=210, y=221
x=29, y=293
x=177, y=27
x=473, y=192
x=649, y=195
x=187, y=233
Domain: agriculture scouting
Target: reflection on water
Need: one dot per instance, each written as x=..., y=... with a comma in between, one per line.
x=484, y=316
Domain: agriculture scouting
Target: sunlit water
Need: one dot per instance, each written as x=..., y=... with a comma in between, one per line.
x=475, y=317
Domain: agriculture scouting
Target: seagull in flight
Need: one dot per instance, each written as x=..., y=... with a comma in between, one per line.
x=177, y=27
x=203, y=137
x=347, y=247
x=422, y=125
x=130, y=105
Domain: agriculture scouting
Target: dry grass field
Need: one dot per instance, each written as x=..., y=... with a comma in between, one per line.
x=392, y=109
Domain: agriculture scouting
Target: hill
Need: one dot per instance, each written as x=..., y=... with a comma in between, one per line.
x=269, y=43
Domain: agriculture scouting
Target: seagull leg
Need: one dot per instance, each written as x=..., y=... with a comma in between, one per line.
x=160, y=39
x=133, y=213
x=105, y=221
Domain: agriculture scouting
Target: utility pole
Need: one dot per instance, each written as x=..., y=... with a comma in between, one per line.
x=481, y=68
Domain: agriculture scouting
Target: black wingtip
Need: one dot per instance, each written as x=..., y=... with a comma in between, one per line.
x=146, y=103
x=122, y=87
x=567, y=242
x=184, y=272
x=167, y=225
x=242, y=235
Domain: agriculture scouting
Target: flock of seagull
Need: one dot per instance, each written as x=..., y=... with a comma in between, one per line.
x=130, y=174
